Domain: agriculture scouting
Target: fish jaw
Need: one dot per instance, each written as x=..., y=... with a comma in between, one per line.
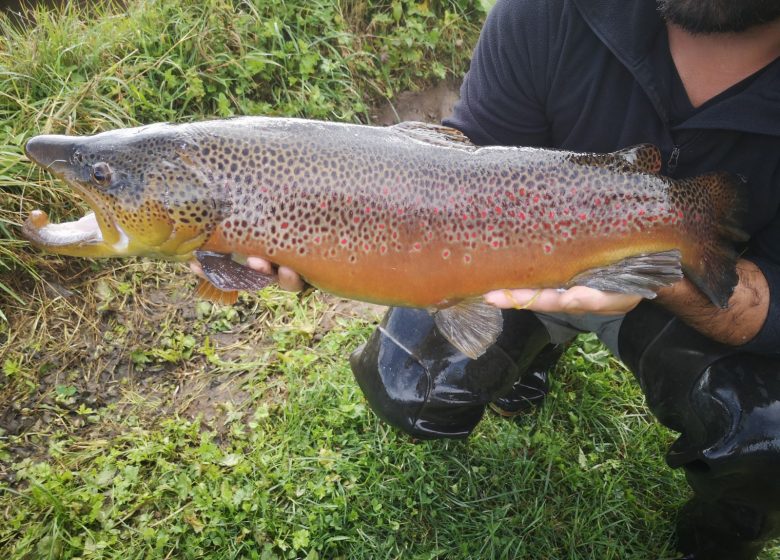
x=79, y=238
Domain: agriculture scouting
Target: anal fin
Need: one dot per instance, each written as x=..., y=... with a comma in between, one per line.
x=642, y=275
x=470, y=326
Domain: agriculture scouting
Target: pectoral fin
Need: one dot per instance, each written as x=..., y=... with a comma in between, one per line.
x=225, y=275
x=642, y=275
x=470, y=326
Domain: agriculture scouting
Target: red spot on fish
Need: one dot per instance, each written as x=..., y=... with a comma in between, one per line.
x=498, y=209
x=483, y=214
x=583, y=216
x=473, y=235
x=380, y=226
x=491, y=228
x=551, y=214
x=445, y=253
x=344, y=241
x=597, y=202
x=356, y=220
x=548, y=248
x=385, y=190
x=574, y=231
x=366, y=247
x=318, y=240
x=383, y=249
x=367, y=210
x=417, y=246
x=496, y=244
x=641, y=212
x=323, y=204
x=284, y=225
x=521, y=191
x=394, y=235
x=536, y=199
x=467, y=259
x=680, y=214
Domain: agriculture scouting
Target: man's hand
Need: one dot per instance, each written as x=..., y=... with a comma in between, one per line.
x=287, y=278
x=735, y=325
x=578, y=300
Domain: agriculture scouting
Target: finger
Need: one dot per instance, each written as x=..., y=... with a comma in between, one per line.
x=521, y=299
x=260, y=265
x=289, y=280
x=581, y=299
x=576, y=300
x=197, y=269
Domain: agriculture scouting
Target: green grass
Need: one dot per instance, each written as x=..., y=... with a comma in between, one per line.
x=294, y=465
x=137, y=422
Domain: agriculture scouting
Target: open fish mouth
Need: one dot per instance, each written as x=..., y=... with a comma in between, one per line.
x=40, y=231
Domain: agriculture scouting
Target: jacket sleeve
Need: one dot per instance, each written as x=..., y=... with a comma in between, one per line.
x=502, y=98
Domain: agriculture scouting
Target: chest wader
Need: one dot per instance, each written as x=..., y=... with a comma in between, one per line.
x=416, y=381
x=724, y=403
x=726, y=406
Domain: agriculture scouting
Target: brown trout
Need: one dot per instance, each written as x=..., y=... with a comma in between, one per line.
x=409, y=215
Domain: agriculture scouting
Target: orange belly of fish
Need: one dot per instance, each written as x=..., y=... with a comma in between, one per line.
x=438, y=274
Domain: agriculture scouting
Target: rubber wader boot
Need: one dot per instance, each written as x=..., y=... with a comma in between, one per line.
x=415, y=380
x=725, y=404
x=530, y=390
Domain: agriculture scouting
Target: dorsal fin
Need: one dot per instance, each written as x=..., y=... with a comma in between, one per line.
x=645, y=157
x=435, y=134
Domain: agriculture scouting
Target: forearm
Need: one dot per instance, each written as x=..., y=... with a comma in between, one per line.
x=735, y=325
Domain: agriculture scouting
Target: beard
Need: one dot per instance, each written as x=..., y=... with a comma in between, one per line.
x=718, y=16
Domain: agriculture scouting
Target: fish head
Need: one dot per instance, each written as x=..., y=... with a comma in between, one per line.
x=147, y=195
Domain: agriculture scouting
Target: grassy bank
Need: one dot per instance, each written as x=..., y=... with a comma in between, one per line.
x=136, y=422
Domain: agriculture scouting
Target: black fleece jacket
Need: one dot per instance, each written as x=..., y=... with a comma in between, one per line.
x=597, y=75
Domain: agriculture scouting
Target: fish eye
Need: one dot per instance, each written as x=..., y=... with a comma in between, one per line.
x=101, y=173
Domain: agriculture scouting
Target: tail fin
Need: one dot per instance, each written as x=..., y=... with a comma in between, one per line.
x=713, y=207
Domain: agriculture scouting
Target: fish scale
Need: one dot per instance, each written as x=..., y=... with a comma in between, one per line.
x=412, y=214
